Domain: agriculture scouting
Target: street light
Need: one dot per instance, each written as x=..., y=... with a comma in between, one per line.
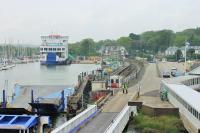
x=186, y=45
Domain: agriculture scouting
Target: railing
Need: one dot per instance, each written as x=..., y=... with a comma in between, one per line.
x=158, y=70
x=120, y=122
x=75, y=123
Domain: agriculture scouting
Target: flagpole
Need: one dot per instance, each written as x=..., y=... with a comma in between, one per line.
x=186, y=44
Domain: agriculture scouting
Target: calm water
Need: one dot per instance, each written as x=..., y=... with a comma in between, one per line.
x=35, y=74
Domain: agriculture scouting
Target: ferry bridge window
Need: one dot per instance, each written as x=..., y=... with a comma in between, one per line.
x=63, y=49
x=58, y=49
x=50, y=49
x=62, y=55
x=54, y=49
x=41, y=49
x=59, y=54
x=45, y=49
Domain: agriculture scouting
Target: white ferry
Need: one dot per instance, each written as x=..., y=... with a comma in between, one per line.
x=54, y=50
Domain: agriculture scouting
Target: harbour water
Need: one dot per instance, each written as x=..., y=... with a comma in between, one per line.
x=36, y=74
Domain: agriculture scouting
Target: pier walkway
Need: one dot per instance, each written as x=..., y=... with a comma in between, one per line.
x=109, y=112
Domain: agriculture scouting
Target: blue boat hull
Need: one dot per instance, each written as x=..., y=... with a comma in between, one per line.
x=54, y=62
x=51, y=60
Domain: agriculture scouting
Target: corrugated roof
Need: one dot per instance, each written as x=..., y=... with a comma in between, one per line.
x=180, y=79
x=196, y=71
x=172, y=48
x=191, y=96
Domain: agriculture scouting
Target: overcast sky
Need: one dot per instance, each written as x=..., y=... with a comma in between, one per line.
x=27, y=20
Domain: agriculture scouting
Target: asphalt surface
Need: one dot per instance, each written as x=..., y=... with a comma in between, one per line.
x=149, y=82
x=99, y=123
x=167, y=66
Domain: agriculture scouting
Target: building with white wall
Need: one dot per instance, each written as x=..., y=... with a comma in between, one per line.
x=171, y=50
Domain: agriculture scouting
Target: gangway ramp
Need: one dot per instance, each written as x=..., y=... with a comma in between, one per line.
x=120, y=122
x=109, y=112
x=99, y=123
x=23, y=96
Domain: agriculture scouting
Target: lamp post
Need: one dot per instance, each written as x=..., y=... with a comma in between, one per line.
x=186, y=45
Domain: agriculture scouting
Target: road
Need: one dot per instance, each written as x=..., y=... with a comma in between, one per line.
x=166, y=66
x=150, y=80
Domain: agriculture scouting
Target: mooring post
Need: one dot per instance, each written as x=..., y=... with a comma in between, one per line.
x=63, y=101
x=32, y=100
x=4, y=99
x=32, y=97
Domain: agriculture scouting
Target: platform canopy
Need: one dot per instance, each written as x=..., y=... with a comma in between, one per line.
x=17, y=122
x=195, y=71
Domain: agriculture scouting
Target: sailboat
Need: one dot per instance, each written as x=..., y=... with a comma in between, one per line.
x=7, y=60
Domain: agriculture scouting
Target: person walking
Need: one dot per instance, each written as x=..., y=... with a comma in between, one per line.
x=123, y=87
x=126, y=87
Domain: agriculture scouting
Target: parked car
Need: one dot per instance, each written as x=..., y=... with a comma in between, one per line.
x=173, y=71
x=166, y=74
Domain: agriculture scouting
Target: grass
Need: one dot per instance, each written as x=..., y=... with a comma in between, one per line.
x=161, y=124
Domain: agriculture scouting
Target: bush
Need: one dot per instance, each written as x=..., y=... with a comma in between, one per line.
x=166, y=124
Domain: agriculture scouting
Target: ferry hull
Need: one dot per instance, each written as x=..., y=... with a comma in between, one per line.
x=68, y=62
x=54, y=62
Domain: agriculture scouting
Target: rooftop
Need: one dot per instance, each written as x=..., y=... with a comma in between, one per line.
x=17, y=121
x=178, y=80
x=188, y=94
x=195, y=71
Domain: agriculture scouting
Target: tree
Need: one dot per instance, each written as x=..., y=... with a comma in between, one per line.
x=74, y=49
x=87, y=47
x=134, y=36
x=178, y=54
x=190, y=53
x=125, y=41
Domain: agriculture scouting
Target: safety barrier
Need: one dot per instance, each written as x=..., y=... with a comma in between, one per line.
x=158, y=70
x=120, y=122
x=75, y=123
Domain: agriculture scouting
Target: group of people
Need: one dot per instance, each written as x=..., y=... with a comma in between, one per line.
x=125, y=87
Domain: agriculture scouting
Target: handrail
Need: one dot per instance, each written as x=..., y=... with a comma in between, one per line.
x=60, y=128
x=118, y=118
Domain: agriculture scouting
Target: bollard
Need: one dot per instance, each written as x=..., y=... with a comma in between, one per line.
x=4, y=99
x=63, y=101
x=32, y=97
x=32, y=100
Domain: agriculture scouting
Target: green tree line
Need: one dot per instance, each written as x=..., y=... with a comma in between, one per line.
x=150, y=42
